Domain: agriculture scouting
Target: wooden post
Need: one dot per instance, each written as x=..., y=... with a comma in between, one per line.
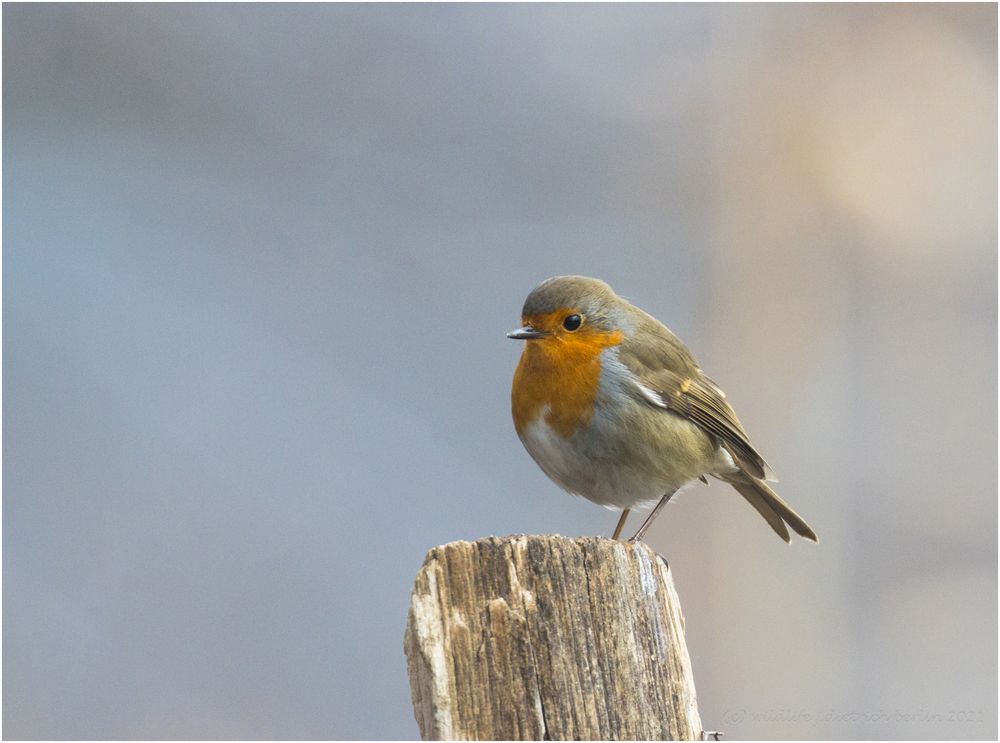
x=544, y=637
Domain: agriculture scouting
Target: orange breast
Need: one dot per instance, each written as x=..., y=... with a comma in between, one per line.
x=562, y=373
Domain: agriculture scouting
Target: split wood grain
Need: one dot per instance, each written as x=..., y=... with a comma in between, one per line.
x=545, y=637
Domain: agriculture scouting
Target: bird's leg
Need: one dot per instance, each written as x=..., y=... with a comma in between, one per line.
x=637, y=537
x=621, y=524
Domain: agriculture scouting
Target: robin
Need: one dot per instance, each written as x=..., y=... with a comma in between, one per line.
x=613, y=407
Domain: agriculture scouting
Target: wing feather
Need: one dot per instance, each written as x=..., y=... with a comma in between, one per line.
x=672, y=380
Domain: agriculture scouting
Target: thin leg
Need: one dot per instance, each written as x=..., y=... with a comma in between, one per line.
x=637, y=537
x=621, y=524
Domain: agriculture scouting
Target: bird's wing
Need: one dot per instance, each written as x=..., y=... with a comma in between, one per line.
x=669, y=378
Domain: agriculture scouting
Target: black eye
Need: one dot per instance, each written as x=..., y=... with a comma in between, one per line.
x=572, y=322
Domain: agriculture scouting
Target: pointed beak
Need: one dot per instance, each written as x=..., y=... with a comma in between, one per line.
x=526, y=333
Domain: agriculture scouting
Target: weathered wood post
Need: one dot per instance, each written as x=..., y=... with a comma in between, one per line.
x=544, y=637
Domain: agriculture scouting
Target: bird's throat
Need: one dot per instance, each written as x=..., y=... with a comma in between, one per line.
x=558, y=378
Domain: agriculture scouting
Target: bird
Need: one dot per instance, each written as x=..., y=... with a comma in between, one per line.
x=612, y=406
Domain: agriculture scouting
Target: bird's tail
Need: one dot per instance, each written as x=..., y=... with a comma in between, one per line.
x=769, y=505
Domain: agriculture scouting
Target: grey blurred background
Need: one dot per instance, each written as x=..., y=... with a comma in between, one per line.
x=258, y=266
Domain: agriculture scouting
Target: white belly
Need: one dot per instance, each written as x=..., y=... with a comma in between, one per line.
x=576, y=468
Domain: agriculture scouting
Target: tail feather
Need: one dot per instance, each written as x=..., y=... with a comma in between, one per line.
x=770, y=505
x=757, y=501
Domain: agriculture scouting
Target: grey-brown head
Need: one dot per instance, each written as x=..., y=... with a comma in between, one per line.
x=569, y=303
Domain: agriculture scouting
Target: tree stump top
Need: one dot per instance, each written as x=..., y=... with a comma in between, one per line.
x=545, y=637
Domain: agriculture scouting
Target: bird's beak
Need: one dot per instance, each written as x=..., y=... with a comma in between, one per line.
x=526, y=333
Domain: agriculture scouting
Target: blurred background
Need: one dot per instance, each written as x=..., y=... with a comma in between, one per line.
x=258, y=265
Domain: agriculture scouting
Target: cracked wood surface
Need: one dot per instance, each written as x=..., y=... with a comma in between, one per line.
x=544, y=637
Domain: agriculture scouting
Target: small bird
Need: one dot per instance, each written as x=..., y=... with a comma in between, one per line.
x=613, y=407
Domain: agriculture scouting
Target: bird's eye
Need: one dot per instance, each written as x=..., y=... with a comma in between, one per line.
x=572, y=322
